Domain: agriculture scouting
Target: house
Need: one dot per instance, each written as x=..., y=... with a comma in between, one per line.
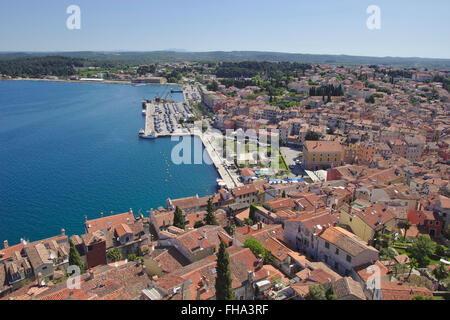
x=199, y=243
x=427, y=222
x=247, y=273
x=322, y=154
x=397, y=291
x=366, y=221
x=245, y=194
x=260, y=232
x=247, y=175
x=342, y=250
x=347, y=289
x=188, y=204
x=124, y=281
x=298, y=231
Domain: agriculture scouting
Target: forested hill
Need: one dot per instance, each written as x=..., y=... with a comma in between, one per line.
x=36, y=67
x=167, y=56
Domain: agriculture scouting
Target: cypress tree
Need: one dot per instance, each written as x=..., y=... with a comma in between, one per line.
x=178, y=218
x=74, y=257
x=210, y=218
x=224, y=291
x=252, y=215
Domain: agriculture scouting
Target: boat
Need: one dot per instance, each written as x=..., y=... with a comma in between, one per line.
x=144, y=136
x=220, y=183
x=175, y=90
x=144, y=112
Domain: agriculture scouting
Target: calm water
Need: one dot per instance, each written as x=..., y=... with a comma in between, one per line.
x=71, y=149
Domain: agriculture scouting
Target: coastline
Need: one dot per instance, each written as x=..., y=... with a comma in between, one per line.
x=93, y=81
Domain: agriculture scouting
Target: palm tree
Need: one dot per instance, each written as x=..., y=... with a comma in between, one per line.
x=413, y=264
x=406, y=225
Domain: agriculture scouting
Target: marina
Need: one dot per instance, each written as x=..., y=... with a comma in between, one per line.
x=162, y=119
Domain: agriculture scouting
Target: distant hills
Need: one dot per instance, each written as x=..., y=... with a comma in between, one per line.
x=177, y=55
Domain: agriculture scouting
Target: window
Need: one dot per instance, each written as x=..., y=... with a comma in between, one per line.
x=327, y=245
x=349, y=258
x=437, y=223
x=337, y=251
x=336, y=266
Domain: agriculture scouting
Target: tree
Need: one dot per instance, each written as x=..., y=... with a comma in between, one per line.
x=178, y=218
x=74, y=257
x=406, y=225
x=421, y=297
x=312, y=135
x=421, y=249
x=330, y=294
x=316, y=293
x=441, y=272
x=412, y=264
x=210, y=217
x=257, y=249
x=132, y=257
x=447, y=233
x=114, y=255
x=252, y=214
x=224, y=290
x=198, y=224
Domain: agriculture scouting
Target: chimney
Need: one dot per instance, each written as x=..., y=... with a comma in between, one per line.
x=91, y=274
x=204, y=234
x=200, y=244
x=131, y=210
x=379, y=220
x=5, y=244
x=85, y=218
x=259, y=225
x=39, y=279
x=63, y=232
x=101, y=214
x=250, y=276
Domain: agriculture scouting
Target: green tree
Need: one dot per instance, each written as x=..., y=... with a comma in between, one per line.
x=330, y=294
x=421, y=249
x=74, y=257
x=312, y=135
x=178, y=218
x=114, y=255
x=441, y=272
x=257, y=249
x=210, y=218
x=421, y=297
x=316, y=293
x=412, y=264
x=252, y=214
x=198, y=224
x=406, y=225
x=224, y=290
x=132, y=257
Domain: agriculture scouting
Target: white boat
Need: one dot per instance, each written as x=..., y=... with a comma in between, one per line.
x=144, y=112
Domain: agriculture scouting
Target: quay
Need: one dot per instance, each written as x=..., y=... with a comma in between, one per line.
x=162, y=120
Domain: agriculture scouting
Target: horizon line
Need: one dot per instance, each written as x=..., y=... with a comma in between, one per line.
x=212, y=51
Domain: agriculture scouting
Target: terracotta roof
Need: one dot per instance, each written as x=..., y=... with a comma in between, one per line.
x=346, y=287
x=345, y=240
x=395, y=291
x=108, y=221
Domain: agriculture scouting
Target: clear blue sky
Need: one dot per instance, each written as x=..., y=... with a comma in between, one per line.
x=408, y=28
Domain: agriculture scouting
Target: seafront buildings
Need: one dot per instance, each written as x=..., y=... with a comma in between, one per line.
x=363, y=182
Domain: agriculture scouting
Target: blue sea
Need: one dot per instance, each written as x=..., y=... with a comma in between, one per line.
x=69, y=150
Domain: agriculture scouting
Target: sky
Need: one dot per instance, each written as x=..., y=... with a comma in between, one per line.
x=407, y=28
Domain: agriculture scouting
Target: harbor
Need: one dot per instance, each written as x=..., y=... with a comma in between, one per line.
x=162, y=119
